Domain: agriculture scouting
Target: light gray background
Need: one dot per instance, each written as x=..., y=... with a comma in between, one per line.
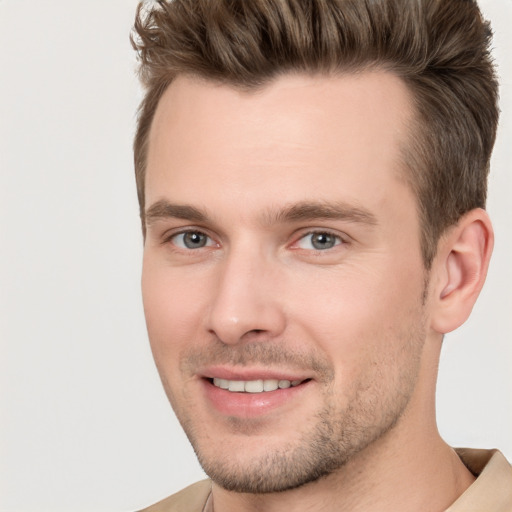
x=84, y=423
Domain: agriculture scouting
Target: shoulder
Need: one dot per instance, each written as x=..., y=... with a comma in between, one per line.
x=190, y=499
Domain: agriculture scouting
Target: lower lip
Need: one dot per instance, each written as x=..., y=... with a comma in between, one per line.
x=251, y=405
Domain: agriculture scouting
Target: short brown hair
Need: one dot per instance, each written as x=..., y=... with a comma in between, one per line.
x=440, y=48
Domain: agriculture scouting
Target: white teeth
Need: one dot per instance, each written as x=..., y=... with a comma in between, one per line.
x=270, y=385
x=222, y=383
x=236, y=385
x=254, y=386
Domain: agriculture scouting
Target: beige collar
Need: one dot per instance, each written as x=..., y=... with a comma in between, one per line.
x=492, y=490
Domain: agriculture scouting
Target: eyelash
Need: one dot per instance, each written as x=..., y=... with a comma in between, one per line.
x=169, y=239
x=338, y=240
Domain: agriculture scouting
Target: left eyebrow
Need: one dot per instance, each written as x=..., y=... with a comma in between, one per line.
x=307, y=211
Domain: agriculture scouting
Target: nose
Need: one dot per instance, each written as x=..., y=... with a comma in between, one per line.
x=246, y=302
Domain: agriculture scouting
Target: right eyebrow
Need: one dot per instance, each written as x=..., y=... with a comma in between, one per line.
x=163, y=209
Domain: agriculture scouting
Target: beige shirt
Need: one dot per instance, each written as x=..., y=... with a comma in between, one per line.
x=490, y=492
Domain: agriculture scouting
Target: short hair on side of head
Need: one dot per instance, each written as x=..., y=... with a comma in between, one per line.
x=440, y=48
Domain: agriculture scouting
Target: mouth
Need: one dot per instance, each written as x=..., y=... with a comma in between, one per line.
x=254, y=386
x=252, y=394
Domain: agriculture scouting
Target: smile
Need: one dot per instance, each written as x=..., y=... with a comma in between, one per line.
x=254, y=386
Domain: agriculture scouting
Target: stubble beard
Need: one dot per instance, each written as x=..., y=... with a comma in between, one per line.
x=335, y=435
x=333, y=440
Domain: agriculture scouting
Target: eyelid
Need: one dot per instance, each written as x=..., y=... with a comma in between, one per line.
x=342, y=237
x=168, y=236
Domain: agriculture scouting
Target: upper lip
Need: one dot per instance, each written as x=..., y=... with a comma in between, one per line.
x=247, y=374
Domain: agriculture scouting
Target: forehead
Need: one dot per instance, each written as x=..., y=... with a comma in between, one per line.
x=311, y=136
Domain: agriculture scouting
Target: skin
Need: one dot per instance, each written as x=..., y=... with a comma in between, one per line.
x=253, y=175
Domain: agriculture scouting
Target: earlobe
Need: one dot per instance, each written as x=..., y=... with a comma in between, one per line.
x=460, y=268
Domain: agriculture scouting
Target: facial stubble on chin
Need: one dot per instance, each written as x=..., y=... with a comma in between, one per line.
x=325, y=447
x=329, y=439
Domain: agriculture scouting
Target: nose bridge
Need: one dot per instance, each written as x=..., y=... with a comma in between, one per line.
x=245, y=299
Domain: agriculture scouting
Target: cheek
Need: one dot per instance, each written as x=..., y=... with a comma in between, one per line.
x=360, y=316
x=171, y=308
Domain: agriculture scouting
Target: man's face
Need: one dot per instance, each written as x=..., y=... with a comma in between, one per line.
x=282, y=261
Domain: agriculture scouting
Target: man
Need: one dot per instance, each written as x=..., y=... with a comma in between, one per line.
x=312, y=182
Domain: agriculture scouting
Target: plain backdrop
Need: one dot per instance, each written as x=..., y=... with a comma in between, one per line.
x=84, y=423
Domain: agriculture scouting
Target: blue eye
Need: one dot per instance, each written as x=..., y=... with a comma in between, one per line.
x=192, y=240
x=319, y=241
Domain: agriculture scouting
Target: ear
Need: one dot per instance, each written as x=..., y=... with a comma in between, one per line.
x=459, y=270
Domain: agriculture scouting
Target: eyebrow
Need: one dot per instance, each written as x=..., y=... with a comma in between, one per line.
x=164, y=209
x=302, y=211
x=305, y=211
